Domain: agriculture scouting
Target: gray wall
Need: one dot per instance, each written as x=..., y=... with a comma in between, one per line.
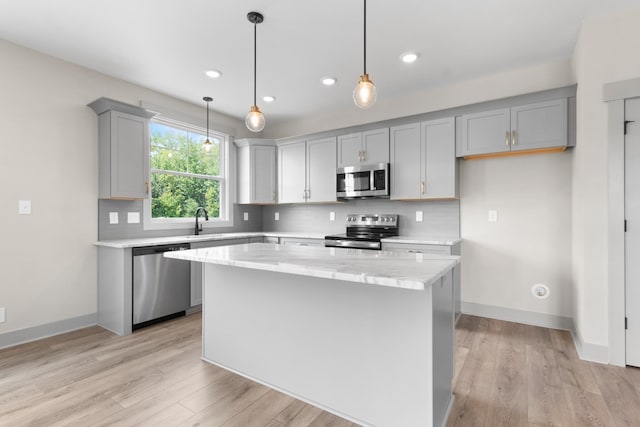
x=122, y=230
x=441, y=219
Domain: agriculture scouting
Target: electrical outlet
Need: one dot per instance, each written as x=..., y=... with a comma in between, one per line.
x=492, y=216
x=24, y=207
x=246, y=216
x=276, y=216
x=332, y=216
x=133, y=217
x=2, y=315
x=418, y=216
x=113, y=217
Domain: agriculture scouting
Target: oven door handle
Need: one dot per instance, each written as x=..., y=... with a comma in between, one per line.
x=352, y=244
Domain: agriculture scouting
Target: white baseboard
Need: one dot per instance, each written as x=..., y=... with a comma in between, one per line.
x=518, y=316
x=586, y=351
x=21, y=336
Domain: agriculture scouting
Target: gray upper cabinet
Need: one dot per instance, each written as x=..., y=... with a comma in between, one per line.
x=307, y=171
x=321, y=170
x=292, y=172
x=369, y=147
x=256, y=171
x=539, y=125
x=423, y=162
x=525, y=127
x=123, y=150
x=405, y=161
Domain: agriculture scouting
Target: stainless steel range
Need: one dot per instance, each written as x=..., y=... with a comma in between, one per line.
x=365, y=231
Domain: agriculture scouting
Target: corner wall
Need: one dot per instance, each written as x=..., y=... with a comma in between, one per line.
x=606, y=52
x=49, y=140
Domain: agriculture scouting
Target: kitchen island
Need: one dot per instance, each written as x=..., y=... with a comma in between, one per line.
x=367, y=335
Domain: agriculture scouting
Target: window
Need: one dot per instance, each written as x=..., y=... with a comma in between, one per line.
x=184, y=175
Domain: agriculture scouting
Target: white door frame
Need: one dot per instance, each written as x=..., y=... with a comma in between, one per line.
x=615, y=95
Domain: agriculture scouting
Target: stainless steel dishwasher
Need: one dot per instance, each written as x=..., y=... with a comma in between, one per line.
x=161, y=286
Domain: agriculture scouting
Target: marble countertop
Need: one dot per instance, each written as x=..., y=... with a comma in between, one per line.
x=418, y=240
x=393, y=269
x=151, y=241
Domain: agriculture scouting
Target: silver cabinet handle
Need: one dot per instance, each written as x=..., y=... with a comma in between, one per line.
x=506, y=139
x=514, y=139
x=422, y=187
x=414, y=251
x=364, y=155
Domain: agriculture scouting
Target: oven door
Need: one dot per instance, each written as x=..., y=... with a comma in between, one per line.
x=362, y=181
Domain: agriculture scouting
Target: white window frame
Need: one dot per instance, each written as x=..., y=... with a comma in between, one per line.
x=225, y=178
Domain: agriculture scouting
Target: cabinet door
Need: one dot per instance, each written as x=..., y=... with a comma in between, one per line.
x=129, y=156
x=263, y=179
x=486, y=132
x=540, y=125
x=405, y=161
x=321, y=170
x=349, y=148
x=439, y=156
x=375, y=146
x=291, y=172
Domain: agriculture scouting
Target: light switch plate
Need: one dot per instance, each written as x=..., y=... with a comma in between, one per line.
x=113, y=217
x=419, y=216
x=246, y=216
x=2, y=315
x=277, y=216
x=133, y=217
x=492, y=216
x=24, y=207
x=332, y=216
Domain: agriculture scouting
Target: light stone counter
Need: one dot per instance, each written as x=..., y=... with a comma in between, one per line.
x=421, y=240
x=366, y=335
x=153, y=241
x=394, y=269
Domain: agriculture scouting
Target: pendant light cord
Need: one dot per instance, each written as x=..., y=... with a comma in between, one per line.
x=365, y=36
x=255, y=60
x=208, y=120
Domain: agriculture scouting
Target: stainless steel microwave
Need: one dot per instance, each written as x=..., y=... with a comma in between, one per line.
x=357, y=182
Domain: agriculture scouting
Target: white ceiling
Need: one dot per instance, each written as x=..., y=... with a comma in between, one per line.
x=167, y=44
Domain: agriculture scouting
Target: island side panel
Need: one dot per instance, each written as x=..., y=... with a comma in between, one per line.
x=361, y=351
x=444, y=319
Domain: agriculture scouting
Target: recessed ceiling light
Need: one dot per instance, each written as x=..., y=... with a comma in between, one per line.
x=214, y=74
x=269, y=98
x=329, y=81
x=409, y=57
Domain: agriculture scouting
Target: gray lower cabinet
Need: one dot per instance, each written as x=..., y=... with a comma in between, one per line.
x=196, y=267
x=525, y=127
x=301, y=242
x=123, y=150
x=434, y=250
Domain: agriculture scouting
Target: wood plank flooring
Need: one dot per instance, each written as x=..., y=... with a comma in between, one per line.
x=507, y=374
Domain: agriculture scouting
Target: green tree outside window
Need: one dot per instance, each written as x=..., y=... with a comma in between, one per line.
x=183, y=175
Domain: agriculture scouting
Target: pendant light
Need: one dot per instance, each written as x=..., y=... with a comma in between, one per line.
x=364, y=95
x=207, y=144
x=255, y=119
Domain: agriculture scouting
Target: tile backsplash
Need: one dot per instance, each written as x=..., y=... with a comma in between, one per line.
x=125, y=230
x=440, y=219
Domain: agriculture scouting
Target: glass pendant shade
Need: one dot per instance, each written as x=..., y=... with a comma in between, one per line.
x=207, y=146
x=255, y=120
x=364, y=95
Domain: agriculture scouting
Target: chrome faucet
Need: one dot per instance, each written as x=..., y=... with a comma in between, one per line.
x=206, y=218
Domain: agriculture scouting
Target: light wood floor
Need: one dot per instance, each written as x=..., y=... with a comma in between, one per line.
x=507, y=375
